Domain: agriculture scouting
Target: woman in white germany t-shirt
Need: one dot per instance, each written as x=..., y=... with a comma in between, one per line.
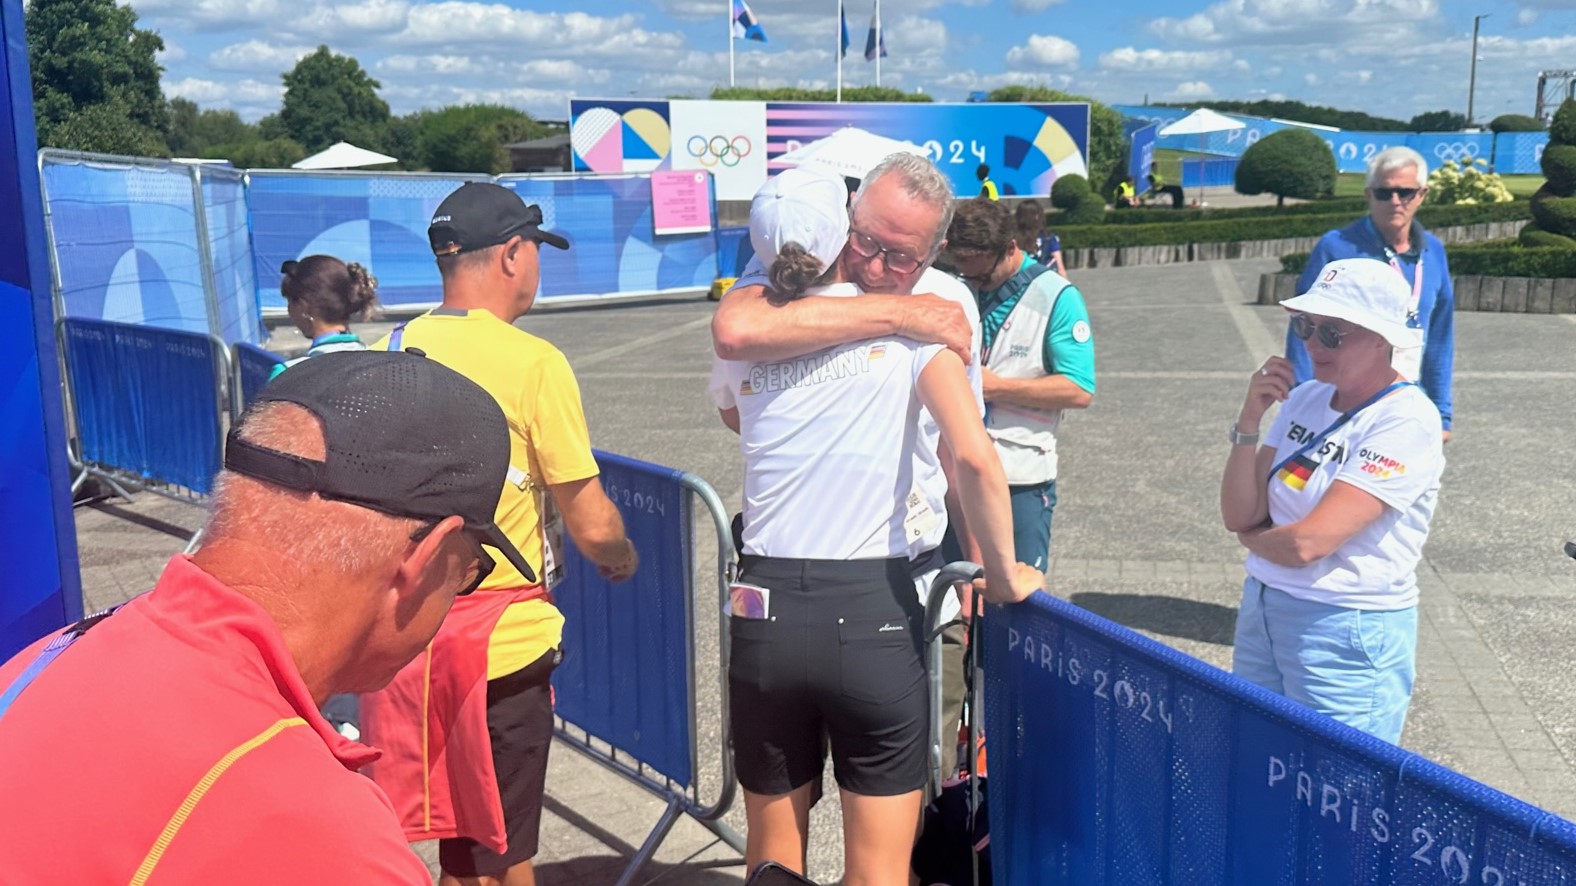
x=825, y=624
x=1334, y=507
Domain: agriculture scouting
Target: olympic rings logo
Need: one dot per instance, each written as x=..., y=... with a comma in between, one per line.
x=719, y=149
x=1455, y=151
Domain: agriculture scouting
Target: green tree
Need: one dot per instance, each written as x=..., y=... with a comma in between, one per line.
x=471, y=138
x=193, y=131
x=1554, y=205
x=95, y=78
x=1107, y=146
x=1438, y=121
x=329, y=98
x=276, y=153
x=1515, y=123
x=1288, y=163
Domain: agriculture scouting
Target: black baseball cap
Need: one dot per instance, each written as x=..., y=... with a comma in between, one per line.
x=482, y=214
x=404, y=435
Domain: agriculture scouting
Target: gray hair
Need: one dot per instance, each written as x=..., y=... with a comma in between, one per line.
x=921, y=180
x=1395, y=159
x=296, y=526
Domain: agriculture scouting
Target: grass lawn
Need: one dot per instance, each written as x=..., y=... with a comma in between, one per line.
x=1350, y=184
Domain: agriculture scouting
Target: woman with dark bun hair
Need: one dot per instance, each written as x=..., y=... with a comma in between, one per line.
x=323, y=295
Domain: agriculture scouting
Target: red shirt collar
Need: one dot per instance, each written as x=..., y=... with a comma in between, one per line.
x=203, y=612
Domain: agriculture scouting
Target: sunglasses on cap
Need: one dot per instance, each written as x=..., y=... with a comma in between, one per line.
x=484, y=561
x=869, y=247
x=1329, y=336
x=1406, y=194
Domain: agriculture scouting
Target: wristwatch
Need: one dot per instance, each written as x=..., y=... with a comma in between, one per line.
x=1238, y=438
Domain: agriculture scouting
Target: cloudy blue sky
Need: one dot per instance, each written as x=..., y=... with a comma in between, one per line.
x=1390, y=57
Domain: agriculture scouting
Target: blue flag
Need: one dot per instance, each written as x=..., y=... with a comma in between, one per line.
x=745, y=27
x=875, y=41
x=846, y=41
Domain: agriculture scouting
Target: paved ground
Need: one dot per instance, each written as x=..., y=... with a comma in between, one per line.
x=1137, y=534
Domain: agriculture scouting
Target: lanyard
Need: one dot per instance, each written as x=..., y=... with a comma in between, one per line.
x=1342, y=419
x=1391, y=256
x=47, y=655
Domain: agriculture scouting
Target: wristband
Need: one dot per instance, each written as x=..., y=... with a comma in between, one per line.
x=1238, y=438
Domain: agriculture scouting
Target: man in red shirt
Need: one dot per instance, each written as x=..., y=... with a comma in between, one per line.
x=177, y=739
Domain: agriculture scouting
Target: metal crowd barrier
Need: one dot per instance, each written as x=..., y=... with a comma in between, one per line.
x=251, y=368
x=148, y=404
x=1117, y=760
x=625, y=694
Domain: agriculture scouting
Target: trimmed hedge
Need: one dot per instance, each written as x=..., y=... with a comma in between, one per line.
x=1496, y=260
x=1270, y=228
x=1355, y=206
x=1559, y=167
x=1553, y=212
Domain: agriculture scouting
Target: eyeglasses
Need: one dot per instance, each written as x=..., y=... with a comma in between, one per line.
x=1305, y=329
x=1383, y=195
x=869, y=247
x=484, y=561
x=972, y=259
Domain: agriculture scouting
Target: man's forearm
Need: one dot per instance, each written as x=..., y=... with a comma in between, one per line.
x=748, y=327
x=1048, y=392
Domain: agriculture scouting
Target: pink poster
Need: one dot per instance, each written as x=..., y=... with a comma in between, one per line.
x=680, y=202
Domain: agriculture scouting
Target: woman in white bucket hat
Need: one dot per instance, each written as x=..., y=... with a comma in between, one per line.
x=825, y=618
x=1334, y=506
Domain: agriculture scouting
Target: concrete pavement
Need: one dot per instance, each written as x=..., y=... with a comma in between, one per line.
x=1137, y=534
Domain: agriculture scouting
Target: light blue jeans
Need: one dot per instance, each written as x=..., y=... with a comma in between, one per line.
x=1351, y=664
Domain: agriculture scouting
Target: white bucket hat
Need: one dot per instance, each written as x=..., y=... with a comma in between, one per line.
x=1367, y=292
x=804, y=207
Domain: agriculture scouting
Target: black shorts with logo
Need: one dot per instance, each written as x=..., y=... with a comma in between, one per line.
x=838, y=658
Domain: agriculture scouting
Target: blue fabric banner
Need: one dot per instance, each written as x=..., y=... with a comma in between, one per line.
x=1519, y=153
x=1141, y=153
x=126, y=241
x=42, y=590
x=1117, y=760
x=230, y=248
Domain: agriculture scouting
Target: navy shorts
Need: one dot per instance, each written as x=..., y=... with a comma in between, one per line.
x=837, y=660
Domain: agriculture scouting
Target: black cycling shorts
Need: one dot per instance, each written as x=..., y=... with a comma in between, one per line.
x=838, y=658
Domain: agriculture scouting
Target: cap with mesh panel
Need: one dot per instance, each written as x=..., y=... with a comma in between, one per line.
x=402, y=434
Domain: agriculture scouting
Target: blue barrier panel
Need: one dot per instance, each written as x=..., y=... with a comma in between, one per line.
x=253, y=366
x=734, y=251
x=377, y=219
x=230, y=251
x=146, y=400
x=1209, y=173
x=613, y=250
x=42, y=589
x=625, y=677
x=125, y=237
x=1519, y=153
x=1116, y=760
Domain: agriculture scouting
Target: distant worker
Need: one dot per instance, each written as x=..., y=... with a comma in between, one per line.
x=322, y=296
x=1035, y=239
x=1158, y=186
x=1126, y=194
x=987, y=187
x=1397, y=184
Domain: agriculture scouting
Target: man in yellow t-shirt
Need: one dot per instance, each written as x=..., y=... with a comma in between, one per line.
x=486, y=240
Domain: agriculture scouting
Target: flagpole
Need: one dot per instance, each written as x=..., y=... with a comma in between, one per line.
x=840, y=50
x=730, y=42
x=880, y=42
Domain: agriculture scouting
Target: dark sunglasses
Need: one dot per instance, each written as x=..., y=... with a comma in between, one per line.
x=869, y=247
x=1305, y=329
x=1406, y=194
x=484, y=561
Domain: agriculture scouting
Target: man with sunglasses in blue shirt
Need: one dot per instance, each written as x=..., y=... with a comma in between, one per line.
x=1397, y=183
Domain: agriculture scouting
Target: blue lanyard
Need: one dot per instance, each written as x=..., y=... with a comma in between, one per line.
x=47, y=655
x=397, y=336
x=1342, y=419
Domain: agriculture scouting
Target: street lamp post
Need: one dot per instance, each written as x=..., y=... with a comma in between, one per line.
x=1472, y=80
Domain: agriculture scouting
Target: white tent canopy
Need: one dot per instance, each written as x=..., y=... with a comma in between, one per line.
x=1200, y=122
x=343, y=155
x=849, y=151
